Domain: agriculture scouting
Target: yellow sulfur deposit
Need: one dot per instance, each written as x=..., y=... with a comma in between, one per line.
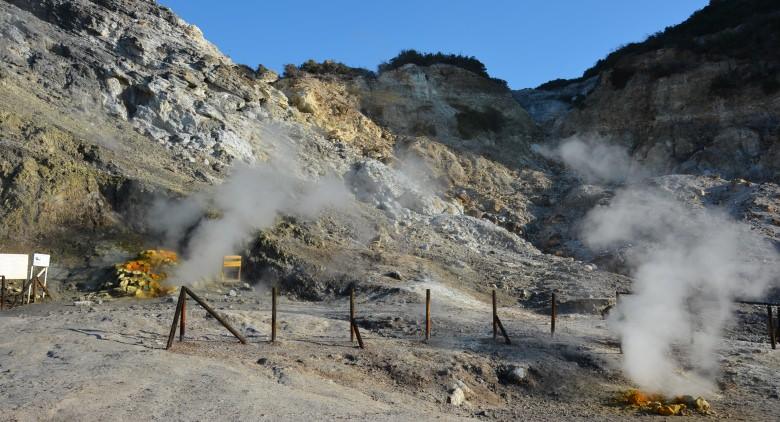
x=144, y=276
x=660, y=405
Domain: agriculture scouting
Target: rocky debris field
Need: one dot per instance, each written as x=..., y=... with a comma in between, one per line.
x=94, y=361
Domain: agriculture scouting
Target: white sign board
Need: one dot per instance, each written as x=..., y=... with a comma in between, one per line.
x=14, y=266
x=41, y=260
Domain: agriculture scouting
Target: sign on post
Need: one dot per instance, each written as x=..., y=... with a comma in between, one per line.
x=14, y=266
x=41, y=260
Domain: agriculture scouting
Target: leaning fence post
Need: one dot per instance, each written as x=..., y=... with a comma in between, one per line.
x=553, y=314
x=771, y=326
x=176, y=315
x=213, y=313
x=2, y=293
x=495, y=315
x=354, y=326
x=352, y=314
x=273, y=314
x=777, y=326
x=427, y=314
x=183, y=318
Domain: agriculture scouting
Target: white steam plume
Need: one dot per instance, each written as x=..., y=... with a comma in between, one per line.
x=692, y=265
x=594, y=160
x=688, y=265
x=208, y=226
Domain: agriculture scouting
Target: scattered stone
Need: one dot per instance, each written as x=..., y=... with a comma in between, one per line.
x=246, y=286
x=394, y=274
x=82, y=303
x=232, y=293
x=456, y=397
x=262, y=361
x=512, y=374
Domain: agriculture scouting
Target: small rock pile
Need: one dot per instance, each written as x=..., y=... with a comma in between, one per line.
x=144, y=276
x=661, y=405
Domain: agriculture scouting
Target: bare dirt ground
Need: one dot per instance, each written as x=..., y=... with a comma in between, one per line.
x=108, y=362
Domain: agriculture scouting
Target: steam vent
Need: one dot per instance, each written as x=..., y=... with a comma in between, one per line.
x=305, y=211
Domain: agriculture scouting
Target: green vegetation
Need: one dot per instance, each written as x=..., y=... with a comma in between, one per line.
x=620, y=76
x=743, y=30
x=739, y=28
x=470, y=63
x=759, y=74
x=555, y=84
x=327, y=67
x=473, y=122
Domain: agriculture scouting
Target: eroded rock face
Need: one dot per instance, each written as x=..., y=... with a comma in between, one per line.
x=677, y=121
x=139, y=62
x=329, y=104
x=456, y=107
x=110, y=104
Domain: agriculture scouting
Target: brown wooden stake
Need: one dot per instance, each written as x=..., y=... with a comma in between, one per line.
x=427, y=314
x=553, y=314
x=2, y=293
x=503, y=331
x=20, y=297
x=495, y=317
x=213, y=313
x=771, y=326
x=33, y=291
x=183, y=318
x=777, y=326
x=44, y=289
x=176, y=315
x=273, y=314
x=351, y=314
x=357, y=333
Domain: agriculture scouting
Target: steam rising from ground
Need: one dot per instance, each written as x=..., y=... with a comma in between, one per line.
x=594, y=160
x=693, y=265
x=210, y=225
x=688, y=266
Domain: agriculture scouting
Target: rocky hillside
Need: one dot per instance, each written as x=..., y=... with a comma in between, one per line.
x=110, y=106
x=700, y=97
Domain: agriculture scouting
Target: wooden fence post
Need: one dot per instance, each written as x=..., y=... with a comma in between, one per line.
x=183, y=318
x=351, y=314
x=427, y=314
x=355, y=329
x=180, y=308
x=777, y=326
x=273, y=314
x=2, y=293
x=553, y=314
x=771, y=327
x=176, y=315
x=495, y=316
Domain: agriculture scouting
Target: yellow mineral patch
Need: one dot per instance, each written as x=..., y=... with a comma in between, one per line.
x=145, y=276
x=661, y=405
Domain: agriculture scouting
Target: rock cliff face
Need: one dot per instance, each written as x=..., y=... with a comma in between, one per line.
x=110, y=105
x=702, y=97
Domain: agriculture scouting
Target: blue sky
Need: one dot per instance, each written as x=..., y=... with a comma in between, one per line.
x=525, y=42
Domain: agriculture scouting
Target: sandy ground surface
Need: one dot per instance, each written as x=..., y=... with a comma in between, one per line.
x=108, y=362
